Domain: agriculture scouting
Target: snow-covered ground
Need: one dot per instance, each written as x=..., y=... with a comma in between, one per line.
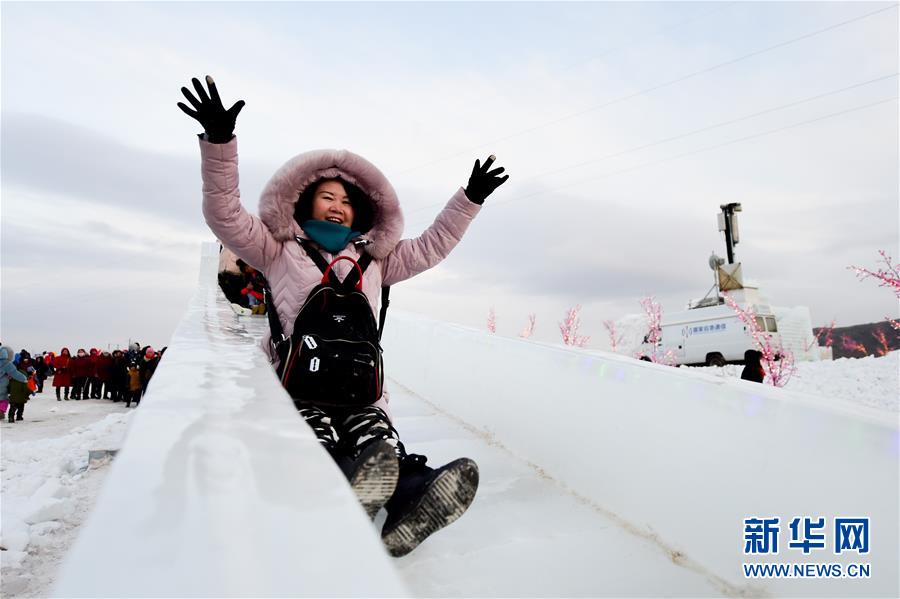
x=49, y=487
x=869, y=381
x=48, y=484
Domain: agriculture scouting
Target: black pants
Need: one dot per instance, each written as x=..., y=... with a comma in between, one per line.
x=101, y=389
x=78, y=387
x=346, y=432
x=40, y=383
x=16, y=410
x=93, y=388
x=132, y=396
x=57, y=392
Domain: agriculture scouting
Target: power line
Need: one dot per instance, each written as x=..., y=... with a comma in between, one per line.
x=719, y=6
x=650, y=89
x=700, y=150
x=686, y=134
x=710, y=127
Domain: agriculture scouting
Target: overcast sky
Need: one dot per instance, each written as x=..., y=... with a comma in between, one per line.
x=623, y=127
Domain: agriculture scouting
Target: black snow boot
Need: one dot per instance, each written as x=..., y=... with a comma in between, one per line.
x=372, y=475
x=426, y=500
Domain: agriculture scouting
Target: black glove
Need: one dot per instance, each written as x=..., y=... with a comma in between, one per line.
x=217, y=122
x=482, y=182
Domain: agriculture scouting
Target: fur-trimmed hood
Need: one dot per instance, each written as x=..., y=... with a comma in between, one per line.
x=280, y=195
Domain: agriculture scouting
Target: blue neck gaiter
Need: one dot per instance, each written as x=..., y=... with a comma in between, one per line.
x=331, y=236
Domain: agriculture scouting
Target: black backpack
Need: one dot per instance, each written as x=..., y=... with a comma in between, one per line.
x=333, y=356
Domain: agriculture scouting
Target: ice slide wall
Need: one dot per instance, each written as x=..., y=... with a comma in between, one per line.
x=683, y=456
x=219, y=489
x=210, y=495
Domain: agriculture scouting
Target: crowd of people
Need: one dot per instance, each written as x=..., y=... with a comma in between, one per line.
x=118, y=375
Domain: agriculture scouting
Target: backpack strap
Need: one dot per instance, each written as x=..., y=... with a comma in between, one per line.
x=317, y=257
x=385, y=292
x=354, y=274
x=313, y=253
x=277, y=337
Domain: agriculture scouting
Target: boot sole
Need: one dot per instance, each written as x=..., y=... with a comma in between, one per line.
x=446, y=499
x=376, y=478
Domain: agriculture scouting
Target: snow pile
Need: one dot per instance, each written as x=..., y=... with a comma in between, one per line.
x=49, y=485
x=630, y=329
x=871, y=381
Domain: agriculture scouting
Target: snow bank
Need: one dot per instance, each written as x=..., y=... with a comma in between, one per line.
x=49, y=486
x=870, y=381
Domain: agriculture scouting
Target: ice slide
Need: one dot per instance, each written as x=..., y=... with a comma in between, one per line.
x=600, y=476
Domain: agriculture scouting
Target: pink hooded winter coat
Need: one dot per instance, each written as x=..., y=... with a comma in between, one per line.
x=268, y=242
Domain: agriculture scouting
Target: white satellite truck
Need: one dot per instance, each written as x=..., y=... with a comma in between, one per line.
x=709, y=332
x=713, y=335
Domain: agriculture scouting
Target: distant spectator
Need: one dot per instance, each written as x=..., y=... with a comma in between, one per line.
x=254, y=281
x=91, y=383
x=8, y=372
x=41, y=369
x=134, y=385
x=48, y=360
x=148, y=367
x=231, y=279
x=134, y=353
x=118, y=381
x=81, y=369
x=23, y=356
x=753, y=369
x=254, y=299
x=104, y=374
x=62, y=377
x=19, y=392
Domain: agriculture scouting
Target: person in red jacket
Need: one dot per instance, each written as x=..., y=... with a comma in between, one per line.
x=148, y=367
x=92, y=384
x=254, y=299
x=81, y=369
x=62, y=377
x=104, y=374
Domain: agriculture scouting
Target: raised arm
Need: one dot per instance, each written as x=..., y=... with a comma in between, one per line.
x=10, y=369
x=412, y=256
x=237, y=229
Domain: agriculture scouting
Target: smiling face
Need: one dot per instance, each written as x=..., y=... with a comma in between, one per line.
x=331, y=203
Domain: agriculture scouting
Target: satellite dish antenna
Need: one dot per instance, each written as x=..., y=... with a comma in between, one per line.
x=715, y=262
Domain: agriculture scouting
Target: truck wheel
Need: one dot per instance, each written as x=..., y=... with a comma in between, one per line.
x=715, y=360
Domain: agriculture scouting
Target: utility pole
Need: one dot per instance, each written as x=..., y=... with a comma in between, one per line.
x=728, y=224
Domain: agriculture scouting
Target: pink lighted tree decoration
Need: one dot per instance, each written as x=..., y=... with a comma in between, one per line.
x=569, y=328
x=778, y=362
x=853, y=346
x=883, y=346
x=886, y=277
x=528, y=331
x=492, y=321
x=653, y=310
x=827, y=332
x=614, y=338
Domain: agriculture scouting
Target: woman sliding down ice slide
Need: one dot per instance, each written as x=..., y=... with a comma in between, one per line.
x=328, y=240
